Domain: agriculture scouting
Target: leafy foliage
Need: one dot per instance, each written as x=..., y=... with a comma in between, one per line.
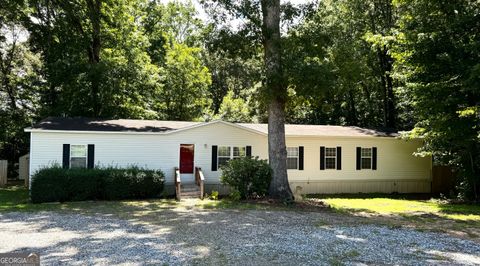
x=340, y=73
x=184, y=95
x=234, y=110
x=250, y=177
x=58, y=184
x=438, y=55
x=21, y=84
x=372, y=63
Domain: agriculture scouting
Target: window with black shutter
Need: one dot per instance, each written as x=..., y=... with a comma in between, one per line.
x=367, y=158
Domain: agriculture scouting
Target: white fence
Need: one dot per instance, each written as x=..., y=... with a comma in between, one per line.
x=3, y=172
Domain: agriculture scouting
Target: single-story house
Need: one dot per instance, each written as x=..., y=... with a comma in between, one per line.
x=320, y=158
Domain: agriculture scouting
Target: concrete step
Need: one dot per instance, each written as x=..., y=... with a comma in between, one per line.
x=190, y=195
x=190, y=191
x=190, y=187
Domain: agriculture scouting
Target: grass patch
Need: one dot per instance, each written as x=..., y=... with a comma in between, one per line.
x=13, y=198
x=407, y=208
x=422, y=214
x=17, y=199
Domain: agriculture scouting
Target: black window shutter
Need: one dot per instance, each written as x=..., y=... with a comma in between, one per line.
x=214, y=157
x=91, y=156
x=66, y=156
x=359, y=158
x=374, y=158
x=339, y=158
x=249, y=151
x=300, y=158
x=322, y=158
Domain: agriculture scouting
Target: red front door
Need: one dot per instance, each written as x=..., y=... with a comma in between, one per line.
x=186, y=158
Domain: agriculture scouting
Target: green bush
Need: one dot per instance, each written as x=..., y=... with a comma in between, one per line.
x=58, y=184
x=50, y=184
x=83, y=184
x=250, y=177
x=133, y=183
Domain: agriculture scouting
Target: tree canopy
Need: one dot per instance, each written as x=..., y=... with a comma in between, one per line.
x=388, y=64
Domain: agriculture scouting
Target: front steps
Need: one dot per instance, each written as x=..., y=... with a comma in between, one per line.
x=190, y=191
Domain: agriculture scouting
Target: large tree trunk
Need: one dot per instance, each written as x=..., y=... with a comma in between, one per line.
x=94, y=53
x=276, y=92
x=383, y=13
x=352, y=112
x=386, y=63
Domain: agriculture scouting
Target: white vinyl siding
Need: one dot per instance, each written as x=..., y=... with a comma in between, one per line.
x=292, y=157
x=399, y=170
x=148, y=150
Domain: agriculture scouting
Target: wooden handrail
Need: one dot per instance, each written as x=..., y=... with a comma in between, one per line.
x=178, y=183
x=200, y=180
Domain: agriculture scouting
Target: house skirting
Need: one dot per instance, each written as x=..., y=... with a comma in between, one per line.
x=361, y=186
x=335, y=187
x=169, y=189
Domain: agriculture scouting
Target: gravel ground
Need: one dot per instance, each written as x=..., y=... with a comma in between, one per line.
x=243, y=237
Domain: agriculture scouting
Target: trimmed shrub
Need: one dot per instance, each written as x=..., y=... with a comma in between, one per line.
x=250, y=177
x=50, y=184
x=116, y=185
x=58, y=184
x=133, y=183
x=83, y=184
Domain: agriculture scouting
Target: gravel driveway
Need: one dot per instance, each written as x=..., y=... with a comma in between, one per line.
x=239, y=237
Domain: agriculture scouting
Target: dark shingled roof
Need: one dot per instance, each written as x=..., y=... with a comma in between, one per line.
x=325, y=130
x=123, y=125
x=129, y=125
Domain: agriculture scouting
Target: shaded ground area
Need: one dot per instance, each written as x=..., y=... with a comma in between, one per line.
x=186, y=234
x=372, y=231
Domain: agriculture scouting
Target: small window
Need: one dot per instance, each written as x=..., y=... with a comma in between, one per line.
x=292, y=157
x=366, y=158
x=224, y=154
x=330, y=158
x=78, y=156
x=239, y=152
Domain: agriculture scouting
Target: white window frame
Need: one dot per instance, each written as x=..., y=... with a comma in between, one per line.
x=70, y=155
x=231, y=156
x=366, y=157
x=296, y=156
x=329, y=157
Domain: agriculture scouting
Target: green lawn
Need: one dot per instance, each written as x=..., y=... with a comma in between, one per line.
x=16, y=199
x=13, y=198
x=405, y=207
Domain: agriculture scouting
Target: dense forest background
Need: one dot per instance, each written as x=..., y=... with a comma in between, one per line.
x=405, y=65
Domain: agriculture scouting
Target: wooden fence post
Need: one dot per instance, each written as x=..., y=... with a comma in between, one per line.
x=24, y=168
x=3, y=172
